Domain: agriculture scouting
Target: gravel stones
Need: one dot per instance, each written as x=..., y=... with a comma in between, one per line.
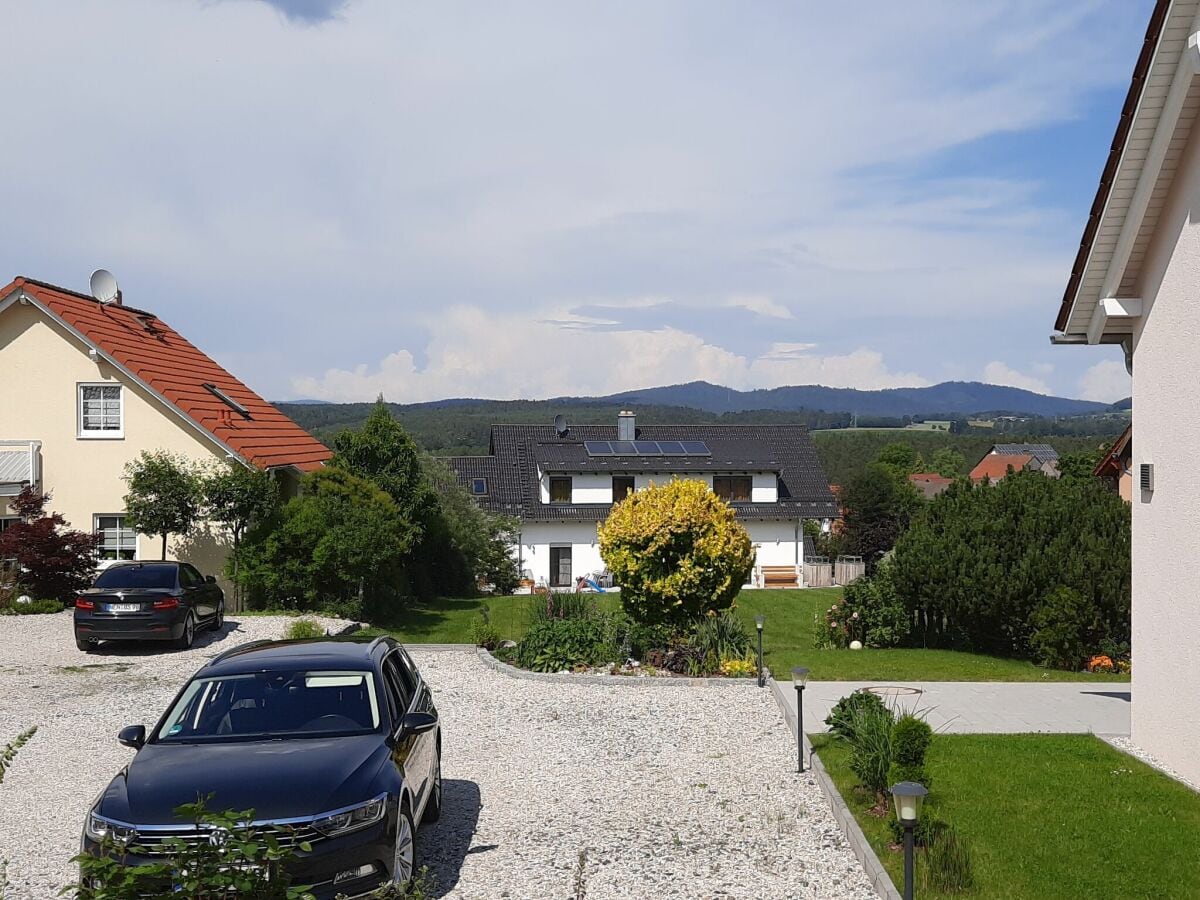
x=552, y=790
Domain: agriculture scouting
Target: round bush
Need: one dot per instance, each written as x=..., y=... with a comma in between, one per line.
x=678, y=552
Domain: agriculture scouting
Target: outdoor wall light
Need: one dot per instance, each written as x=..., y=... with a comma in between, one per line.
x=908, y=797
x=799, y=680
x=759, y=622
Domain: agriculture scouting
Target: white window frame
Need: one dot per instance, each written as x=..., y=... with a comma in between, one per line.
x=96, y=434
x=96, y=529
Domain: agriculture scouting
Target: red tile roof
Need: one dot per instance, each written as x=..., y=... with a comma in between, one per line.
x=1112, y=463
x=994, y=466
x=174, y=369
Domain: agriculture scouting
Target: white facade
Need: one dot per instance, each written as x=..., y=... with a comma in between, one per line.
x=1139, y=283
x=557, y=553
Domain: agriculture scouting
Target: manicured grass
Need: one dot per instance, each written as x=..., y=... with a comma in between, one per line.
x=788, y=641
x=1048, y=816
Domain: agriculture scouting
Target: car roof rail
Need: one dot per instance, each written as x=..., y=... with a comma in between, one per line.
x=233, y=651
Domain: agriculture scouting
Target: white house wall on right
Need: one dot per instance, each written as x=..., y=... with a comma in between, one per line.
x=1166, y=521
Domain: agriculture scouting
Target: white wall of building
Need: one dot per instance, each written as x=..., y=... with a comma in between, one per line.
x=1166, y=522
x=775, y=543
x=593, y=487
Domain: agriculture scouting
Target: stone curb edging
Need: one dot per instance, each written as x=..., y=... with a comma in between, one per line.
x=630, y=680
x=876, y=873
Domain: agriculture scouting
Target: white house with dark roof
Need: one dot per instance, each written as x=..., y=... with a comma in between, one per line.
x=561, y=482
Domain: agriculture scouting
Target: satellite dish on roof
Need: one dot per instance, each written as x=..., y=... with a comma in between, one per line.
x=560, y=425
x=104, y=286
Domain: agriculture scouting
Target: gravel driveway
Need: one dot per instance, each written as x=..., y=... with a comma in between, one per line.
x=552, y=790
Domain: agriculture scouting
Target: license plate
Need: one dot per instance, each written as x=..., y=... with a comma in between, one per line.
x=122, y=607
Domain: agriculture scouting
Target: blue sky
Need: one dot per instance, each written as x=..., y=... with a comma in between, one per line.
x=338, y=198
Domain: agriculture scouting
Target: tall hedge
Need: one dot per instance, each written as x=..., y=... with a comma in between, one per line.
x=677, y=550
x=978, y=561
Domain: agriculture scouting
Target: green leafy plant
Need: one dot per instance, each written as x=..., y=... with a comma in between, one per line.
x=551, y=606
x=871, y=611
x=925, y=832
x=720, y=634
x=1061, y=624
x=483, y=633
x=164, y=494
x=948, y=867
x=303, y=629
x=911, y=737
x=842, y=717
x=678, y=552
x=9, y=753
x=420, y=888
x=871, y=745
x=558, y=644
x=33, y=608
x=48, y=559
x=250, y=863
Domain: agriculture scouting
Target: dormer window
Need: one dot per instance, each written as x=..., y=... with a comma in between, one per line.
x=560, y=489
x=101, y=411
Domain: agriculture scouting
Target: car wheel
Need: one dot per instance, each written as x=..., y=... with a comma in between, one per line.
x=404, y=862
x=85, y=644
x=218, y=621
x=433, y=806
x=189, y=632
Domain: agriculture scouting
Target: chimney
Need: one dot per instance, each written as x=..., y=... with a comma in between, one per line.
x=626, y=422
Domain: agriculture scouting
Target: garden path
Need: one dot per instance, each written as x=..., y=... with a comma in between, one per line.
x=986, y=707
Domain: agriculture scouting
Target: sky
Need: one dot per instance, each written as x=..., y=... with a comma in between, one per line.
x=338, y=199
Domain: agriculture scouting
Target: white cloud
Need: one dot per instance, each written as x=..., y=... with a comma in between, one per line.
x=760, y=304
x=326, y=185
x=476, y=353
x=1106, y=382
x=998, y=373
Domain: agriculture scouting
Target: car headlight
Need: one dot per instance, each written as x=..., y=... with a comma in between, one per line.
x=100, y=829
x=352, y=818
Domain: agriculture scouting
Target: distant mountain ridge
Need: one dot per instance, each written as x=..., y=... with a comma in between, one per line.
x=949, y=398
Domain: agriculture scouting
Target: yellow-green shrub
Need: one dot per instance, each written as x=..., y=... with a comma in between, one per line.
x=678, y=552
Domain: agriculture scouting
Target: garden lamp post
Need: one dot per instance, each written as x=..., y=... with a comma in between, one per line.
x=799, y=680
x=759, y=621
x=908, y=796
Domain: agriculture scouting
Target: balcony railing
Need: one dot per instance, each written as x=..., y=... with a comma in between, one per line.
x=20, y=466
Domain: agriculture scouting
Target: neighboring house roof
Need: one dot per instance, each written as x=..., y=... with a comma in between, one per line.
x=162, y=361
x=517, y=452
x=1041, y=452
x=930, y=483
x=1145, y=154
x=995, y=466
x=1116, y=460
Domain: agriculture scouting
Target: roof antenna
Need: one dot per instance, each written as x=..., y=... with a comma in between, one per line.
x=560, y=425
x=104, y=287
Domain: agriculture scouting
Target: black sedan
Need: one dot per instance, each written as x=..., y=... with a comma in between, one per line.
x=335, y=741
x=155, y=601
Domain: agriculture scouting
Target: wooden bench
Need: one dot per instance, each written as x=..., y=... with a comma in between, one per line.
x=779, y=577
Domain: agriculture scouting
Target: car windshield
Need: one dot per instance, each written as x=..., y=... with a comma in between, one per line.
x=299, y=703
x=126, y=577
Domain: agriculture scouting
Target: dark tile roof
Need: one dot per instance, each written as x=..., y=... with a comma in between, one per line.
x=517, y=451
x=1040, y=452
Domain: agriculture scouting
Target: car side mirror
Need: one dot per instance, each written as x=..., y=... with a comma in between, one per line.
x=417, y=723
x=210, y=579
x=132, y=736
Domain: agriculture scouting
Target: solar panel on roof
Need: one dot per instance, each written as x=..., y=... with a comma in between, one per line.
x=695, y=448
x=622, y=448
x=671, y=448
x=649, y=448
x=597, y=448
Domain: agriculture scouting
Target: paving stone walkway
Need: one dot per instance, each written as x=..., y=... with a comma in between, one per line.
x=987, y=707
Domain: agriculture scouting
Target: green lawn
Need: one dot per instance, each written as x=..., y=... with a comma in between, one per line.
x=788, y=640
x=1048, y=816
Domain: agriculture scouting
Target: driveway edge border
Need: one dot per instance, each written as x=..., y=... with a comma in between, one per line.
x=876, y=873
x=630, y=680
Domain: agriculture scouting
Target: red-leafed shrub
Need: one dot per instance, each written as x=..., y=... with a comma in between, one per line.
x=42, y=555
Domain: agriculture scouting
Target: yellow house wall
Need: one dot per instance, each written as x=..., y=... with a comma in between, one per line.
x=41, y=366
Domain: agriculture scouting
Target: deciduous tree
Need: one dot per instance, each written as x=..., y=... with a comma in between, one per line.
x=164, y=494
x=49, y=560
